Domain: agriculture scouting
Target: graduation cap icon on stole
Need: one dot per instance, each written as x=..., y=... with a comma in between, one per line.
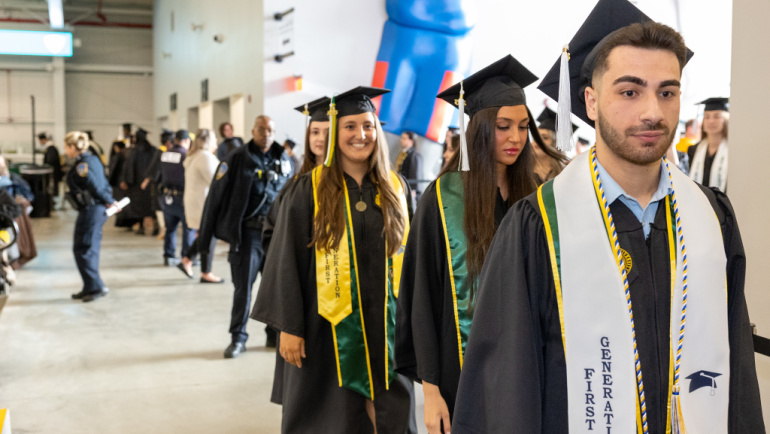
x=703, y=379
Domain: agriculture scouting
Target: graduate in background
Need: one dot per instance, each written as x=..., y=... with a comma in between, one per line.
x=573, y=332
x=316, y=139
x=548, y=165
x=335, y=302
x=453, y=228
x=708, y=159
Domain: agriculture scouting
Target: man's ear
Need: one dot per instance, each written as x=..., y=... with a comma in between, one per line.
x=592, y=97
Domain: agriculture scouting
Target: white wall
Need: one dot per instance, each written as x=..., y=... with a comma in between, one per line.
x=749, y=157
x=331, y=58
x=184, y=57
x=107, y=82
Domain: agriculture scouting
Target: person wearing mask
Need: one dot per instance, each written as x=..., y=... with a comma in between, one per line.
x=200, y=165
x=583, y=320
x=89, y=189
x=246, y=183
x=229, y=142
x=140, y=156
x=171, y=181
x=335, y=301
x=708, y=159
x=453, y=228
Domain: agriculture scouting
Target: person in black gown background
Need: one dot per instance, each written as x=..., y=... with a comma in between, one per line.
x=140, y=156
x=313, y=398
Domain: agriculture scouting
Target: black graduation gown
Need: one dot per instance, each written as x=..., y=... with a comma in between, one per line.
x=137, y=161
x=426, y=332
x=117, y=166
x=514, y=377
x=311, y=397
x=51, y=158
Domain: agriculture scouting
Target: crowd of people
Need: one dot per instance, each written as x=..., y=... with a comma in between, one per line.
x=526, y=291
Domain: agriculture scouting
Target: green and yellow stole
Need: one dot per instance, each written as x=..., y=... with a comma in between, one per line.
x=339, y=300
x=451, y=204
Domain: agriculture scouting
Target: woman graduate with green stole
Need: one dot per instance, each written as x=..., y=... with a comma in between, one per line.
x=332, y=279
x=454, y=226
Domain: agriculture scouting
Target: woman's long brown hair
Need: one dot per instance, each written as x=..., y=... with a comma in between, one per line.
x=329, y=222
x=480, y=185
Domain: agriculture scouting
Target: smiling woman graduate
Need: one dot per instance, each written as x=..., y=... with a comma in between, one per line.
x=454, y=226
x=332, y=278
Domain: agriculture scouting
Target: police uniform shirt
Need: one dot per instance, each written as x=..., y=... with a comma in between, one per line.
x=88, y=175
x=171, y=168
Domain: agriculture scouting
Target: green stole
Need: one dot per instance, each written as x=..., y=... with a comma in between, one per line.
x=339, y=300
x=451, y=204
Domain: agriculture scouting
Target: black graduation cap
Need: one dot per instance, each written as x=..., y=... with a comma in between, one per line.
x=357, y=101
x=316, y=109
x=547, y=120
x=585, y=142
x=42, y=135
x=716, y=104
x=166, y=135
x=141, y=135
x=703, y=379
x=497, y=85
x=127, y=126
x=607, y=17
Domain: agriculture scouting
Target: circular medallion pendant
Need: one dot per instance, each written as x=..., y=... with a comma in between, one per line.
x=360, y=206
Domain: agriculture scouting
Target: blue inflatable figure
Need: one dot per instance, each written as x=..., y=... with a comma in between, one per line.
x=425, y=48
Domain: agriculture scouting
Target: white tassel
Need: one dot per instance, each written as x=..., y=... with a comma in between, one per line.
x=464, y=165
x=306, y=112
x=563, y=119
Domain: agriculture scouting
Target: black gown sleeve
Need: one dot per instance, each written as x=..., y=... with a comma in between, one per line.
x=745, y=412
x=418, y=352
x=272, y=216
x=219, y=189
x=280, y=302
x=502, y=384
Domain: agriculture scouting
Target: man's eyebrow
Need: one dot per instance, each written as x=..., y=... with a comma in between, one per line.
x=630, y=79
x=668, y=83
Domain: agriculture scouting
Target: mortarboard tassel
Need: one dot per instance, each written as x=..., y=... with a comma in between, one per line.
x=563, y=121
x=332, y=133
x=306, y=112
x=464, y=165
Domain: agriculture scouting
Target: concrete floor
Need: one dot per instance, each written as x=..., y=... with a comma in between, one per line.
x=145, y=359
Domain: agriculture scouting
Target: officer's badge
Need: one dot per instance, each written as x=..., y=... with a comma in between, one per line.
x=221, y=171
x=169, y=200
x=82, y=169
x=627, y=260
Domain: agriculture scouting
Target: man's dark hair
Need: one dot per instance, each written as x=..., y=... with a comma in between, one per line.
x=649, y=35
x=222, y=128
x=689, y=123
x=42, y=136
x=290, y=143
x=409, y=134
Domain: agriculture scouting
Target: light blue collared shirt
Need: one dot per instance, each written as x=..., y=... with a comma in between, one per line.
x=645, y=215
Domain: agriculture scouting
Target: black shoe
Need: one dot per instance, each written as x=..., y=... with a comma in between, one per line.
x=79, y=295
x=212, y=281
x=234, y=350
x=181, y=267
x=170, y=262
x=91, y=296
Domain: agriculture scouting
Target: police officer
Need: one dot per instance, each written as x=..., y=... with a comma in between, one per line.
x=171, y=179
x=245, y=185
x=92, y=194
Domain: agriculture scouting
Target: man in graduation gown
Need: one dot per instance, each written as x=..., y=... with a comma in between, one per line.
x=572, y=332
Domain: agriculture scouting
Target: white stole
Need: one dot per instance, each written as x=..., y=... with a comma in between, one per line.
x=718, y=174
x=597, y=330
